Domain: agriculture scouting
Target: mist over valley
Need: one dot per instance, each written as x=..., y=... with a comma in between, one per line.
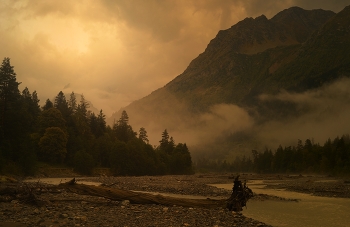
x=261, y=83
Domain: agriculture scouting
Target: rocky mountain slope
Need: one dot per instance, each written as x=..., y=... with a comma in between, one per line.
x=296, y=50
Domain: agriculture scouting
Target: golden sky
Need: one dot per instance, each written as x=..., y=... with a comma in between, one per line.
x=118, y=51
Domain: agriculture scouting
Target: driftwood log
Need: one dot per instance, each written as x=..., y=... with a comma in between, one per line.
x=138, y=197
x=239, y=197
x=28, y=194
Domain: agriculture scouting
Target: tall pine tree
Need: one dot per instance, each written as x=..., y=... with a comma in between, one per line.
x=9, y=109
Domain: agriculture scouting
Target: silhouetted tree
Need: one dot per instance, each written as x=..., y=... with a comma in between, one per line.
x=122, y=129
x=51, y=118
x=101, y=119
x=9, y=93
x=53, y=145
x=10, y=125
x=62, y=105
x=30, y=111
x=180, y=160
x=165, y=138
x=72, y=102
x=143, y=135
x=48, y=105
x=97, y=124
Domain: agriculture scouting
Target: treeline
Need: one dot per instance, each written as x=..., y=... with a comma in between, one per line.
x=308, y=157
x=64, y=132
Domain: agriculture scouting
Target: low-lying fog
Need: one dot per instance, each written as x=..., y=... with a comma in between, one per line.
x=325, y=114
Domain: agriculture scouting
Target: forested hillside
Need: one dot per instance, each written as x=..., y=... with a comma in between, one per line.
x=333, y=157
x=64, y=133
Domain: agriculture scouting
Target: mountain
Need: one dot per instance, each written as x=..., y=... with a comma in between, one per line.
x=296, y=50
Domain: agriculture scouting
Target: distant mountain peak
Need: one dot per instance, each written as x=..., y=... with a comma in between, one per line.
x=261, y=18
x=251, y=36
x=295, y=50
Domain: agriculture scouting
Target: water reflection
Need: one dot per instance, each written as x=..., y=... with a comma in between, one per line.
x=309, y=211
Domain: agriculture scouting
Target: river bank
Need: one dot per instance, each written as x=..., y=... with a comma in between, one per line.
x=199, y=184
x=63, y=208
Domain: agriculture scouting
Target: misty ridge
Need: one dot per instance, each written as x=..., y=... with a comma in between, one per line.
x=261, y=83
x=321, y=113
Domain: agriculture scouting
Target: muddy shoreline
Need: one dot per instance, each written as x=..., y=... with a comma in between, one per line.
x=63, y=208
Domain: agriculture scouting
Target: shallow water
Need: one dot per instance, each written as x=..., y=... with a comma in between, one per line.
x=183, y=196
x=309, y=211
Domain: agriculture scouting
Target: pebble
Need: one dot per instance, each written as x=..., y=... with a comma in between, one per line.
x=133, y=215
x=82, y=210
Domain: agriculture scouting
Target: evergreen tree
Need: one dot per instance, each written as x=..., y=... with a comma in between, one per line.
x=167, y=143
x=143, y=135
x=48, y=105
x=122, y=129
x=181, y=161
x=30, y=110
x=81, y=137
x=97, y=124
x=10, y=127
x=51, y=118
x=53, y=145
x=81, y=118
x=62, y=105
x=165, y=139
x=9, y=93
x=101, y=120
x=103, y=147
x=82, y=108
x=72, y=102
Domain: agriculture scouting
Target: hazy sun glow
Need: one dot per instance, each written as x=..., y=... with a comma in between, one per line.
x=115, y=52
x=63, y=34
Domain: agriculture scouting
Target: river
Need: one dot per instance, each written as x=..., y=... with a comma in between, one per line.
x=310, y=211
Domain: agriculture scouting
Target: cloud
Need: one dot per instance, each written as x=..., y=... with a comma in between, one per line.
x=118, y=51
x=325, y=115
x=221, y=120
x=67, y=86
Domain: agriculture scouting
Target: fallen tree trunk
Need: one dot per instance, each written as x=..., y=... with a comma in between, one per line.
x=137, y=197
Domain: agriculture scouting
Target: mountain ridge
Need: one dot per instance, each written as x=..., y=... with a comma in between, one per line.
x=253, y=57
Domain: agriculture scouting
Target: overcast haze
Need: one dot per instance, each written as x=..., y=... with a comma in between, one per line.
x=115, y=52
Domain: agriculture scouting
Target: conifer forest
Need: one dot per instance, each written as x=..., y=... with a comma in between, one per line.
x=64, y=133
